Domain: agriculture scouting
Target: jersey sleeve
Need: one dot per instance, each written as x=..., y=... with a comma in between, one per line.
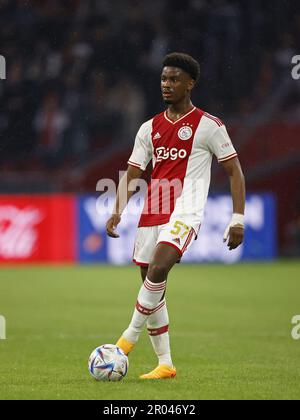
x=220, y=144
x=142, y=151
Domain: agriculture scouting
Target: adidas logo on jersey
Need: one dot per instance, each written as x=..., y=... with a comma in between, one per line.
x=177, y=240
x=157, y=136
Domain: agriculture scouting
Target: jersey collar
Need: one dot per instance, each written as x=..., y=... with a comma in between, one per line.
x=179, y=119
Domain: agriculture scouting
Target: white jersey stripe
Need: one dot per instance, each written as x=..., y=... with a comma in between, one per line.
x=233, y=155
x=215, y=119
x=136, y=165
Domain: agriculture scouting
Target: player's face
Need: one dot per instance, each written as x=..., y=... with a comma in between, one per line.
x=176, y=85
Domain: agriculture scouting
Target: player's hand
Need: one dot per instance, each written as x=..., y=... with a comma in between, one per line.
x=236, y=237
x=234, y=232
x=111, y=226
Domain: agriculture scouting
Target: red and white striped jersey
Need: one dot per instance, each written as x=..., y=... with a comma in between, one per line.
x=181, y=154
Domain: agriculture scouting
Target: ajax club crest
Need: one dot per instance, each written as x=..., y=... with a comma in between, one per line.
x=185, y=133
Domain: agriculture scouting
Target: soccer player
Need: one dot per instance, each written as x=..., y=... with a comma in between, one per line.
x=181, y=143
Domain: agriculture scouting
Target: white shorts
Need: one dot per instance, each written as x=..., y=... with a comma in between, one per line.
x=175, y=233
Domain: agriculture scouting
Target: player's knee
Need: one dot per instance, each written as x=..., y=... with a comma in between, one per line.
x=157, y=273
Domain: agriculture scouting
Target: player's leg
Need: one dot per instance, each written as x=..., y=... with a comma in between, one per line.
x=144, y=271
x=163, y=259
x=165, y=256
x=149, y=299
x=158, y=330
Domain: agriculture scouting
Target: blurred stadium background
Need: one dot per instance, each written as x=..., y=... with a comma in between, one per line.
x=83, y=75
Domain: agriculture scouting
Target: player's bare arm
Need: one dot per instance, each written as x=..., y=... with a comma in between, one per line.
x=124, y=194
x=238, y=193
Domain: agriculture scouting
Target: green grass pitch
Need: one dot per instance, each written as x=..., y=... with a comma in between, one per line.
x=230, y=332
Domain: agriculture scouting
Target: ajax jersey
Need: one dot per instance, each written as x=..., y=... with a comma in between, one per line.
x=181, y=154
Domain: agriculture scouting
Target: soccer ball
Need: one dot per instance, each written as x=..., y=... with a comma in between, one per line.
x=108, y=363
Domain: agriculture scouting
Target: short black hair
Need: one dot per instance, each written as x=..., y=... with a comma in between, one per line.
x=184, y=62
